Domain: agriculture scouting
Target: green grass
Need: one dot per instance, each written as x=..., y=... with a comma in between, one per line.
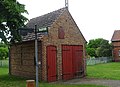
x=12, y=81
x=105, y=71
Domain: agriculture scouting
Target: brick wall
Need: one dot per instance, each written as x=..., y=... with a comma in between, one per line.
x=116, y=48
x=22, y=60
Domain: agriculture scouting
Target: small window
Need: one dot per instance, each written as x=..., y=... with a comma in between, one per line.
x=119, y=52
x=61, y=33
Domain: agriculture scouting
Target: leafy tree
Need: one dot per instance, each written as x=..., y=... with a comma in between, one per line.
x=102, y=48
x=11, y=18
x=2, y=44
x=94, y=43
x=3, y=51
x=91, y=52
x=105, y=49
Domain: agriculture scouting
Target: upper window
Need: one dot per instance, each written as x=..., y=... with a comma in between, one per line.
x=61, y=33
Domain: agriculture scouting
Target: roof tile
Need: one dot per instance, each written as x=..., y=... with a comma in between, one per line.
x=45, y=20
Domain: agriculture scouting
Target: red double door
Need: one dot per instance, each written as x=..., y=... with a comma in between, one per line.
x=72, y=60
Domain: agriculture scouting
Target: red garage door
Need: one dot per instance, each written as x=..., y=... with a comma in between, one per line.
x=77, y=54
x=67, y=62
x=72, y=61
x=51, y=63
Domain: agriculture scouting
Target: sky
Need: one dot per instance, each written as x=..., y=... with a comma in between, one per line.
x=95, y=18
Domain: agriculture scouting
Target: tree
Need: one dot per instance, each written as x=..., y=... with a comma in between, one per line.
x=105, y=49
x=91, y=52
x=11, y=18
x=3, y=51
x=94, y=43
x=102, y=48
x=3, y=45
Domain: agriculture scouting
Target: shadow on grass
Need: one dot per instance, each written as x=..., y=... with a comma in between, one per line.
x=11, y=78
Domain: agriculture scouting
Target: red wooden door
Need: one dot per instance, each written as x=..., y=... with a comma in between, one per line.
x=51, y=64
x=77, y=60
x=72, y=61
x=67, y=71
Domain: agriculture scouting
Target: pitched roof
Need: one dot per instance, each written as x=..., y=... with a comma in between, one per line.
x=45, y=20
x=116, y=36
x=41, y=22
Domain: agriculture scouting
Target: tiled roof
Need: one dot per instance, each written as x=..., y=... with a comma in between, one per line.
x=45, y=20
x=116, y=36
x=41, y=22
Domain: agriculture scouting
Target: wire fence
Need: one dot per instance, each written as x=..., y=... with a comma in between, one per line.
x=89, y=61
x=94, y=61
x=4, y=63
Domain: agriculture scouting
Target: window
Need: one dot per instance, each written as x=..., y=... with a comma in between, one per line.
x=61, y=33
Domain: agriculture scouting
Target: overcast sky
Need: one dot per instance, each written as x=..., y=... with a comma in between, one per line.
x=95, y=18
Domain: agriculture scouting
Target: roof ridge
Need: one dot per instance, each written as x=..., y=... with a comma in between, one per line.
x=64, y=8
x=45, y=20
x=116, y=30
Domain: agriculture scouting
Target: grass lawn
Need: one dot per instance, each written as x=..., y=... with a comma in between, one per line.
x=12, y=81
x=105, y=71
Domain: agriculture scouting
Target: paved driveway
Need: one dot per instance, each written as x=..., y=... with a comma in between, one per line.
x=110, y=83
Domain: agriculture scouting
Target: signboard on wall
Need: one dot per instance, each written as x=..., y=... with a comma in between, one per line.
x=43, y=30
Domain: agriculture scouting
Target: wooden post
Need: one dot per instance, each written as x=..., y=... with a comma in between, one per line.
x=30, y=83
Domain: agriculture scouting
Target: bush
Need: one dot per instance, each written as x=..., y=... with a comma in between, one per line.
x=3, y=53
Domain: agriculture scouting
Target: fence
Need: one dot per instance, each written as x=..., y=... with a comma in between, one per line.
x=4, y=63
x=89, y=61
x=93, y=61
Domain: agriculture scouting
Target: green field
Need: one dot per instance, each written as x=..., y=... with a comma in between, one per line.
x=105, y=71
x=12, y=81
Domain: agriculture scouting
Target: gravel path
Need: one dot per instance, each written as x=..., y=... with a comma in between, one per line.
x=109, y=83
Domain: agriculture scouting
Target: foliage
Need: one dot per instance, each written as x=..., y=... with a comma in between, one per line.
x=104, y=71
x=13, y=81
x=11, y=18
x=94, y=43
x=91, y=52
x=3, y=51
x=105, y=49
x=3, y=45
x=99, y=48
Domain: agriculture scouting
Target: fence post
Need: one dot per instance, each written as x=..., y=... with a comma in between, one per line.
x=30, y=83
